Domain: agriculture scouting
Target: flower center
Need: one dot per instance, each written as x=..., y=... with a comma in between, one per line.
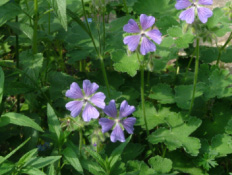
x=143, y=34
x=194, y=4
x=85, y=100
x=117, y=120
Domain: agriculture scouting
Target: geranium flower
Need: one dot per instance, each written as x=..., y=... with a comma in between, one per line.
x=85, y=99
x=194, y=8
x=117, y=122
x=146, y=34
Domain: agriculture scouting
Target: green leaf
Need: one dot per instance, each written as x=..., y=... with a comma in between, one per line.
x=174, y=137
x=59, y=7
x=184, y=94
x=222, y=144
x=136, y=167
x=53, y=122
x=51, y=170
x=175, y=31
x=162, y=93
x=18, y=119
x=217, y=18
x=12, y=152
x=96, y=156
x=6, y=168
x=15, y=88
x=31, y=65
x=184, y=41
x=154, y=118
x=132, y=151
x=3, y=2
x=219, y=84
x=117, y=152
x=2, y=79
x=73, y=159
x=117, y=24
x=40, y=162
x=160, y=165
x=22, y=28
x=26, y=157
x=92, y=167
x=150, y=6
x=125, y=63
x=229, y=127
x=32, y=171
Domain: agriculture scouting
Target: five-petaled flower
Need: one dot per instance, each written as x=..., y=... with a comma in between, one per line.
x=146, y=34
x=85, y=99
x=194, y=8
x=117, y=121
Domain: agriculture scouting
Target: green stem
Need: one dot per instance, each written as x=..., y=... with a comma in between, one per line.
x=49, y=22
x=223, y=47
x=189, y=64
x=104, y=30
x=80, y=140
x=148, y=78
x=97, y=51
x=17, y=62
x=195, y=75
x=125, y=6
x=34, y=46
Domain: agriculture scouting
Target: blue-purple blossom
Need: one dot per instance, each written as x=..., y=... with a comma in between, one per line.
x=85, y=100
x=145, y=35
x=118, y=122
x=193, y=8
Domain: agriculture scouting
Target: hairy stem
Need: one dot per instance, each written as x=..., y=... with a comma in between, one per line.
x=195, y=75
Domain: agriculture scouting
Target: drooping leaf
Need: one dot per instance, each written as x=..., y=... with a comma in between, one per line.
x=53, y=122
x=20, y=120
x=73, y=159
x=22, y=28
x=174, y=137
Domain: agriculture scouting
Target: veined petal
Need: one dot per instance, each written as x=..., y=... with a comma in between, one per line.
x=204, y=14
x=182, y=4
x=132, y=42
x=98, y=100
x=131, y=27
x=89, y=87
x=146, y=21
x=106, y=124
x=89, y=113
x=188, y=15
x=117, y=134
x=75, y=107
x=147, y=46
x=155, y=35
x=205, y=2
x=111, y=110
x=74, y=92
x=126, y=109
x=128, y=124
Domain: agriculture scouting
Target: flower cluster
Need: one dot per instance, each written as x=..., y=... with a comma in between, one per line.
x=194, y=7
x=85, y=103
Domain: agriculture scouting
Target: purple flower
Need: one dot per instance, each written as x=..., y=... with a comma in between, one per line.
x=118, y=123
x=194, y=8
x=146, y=34
x=85, y=99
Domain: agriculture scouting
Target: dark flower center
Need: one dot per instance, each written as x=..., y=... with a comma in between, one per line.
x=194, y=4
x=85, y=100
x=142, y=34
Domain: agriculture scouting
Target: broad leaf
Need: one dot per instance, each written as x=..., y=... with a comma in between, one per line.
x=40, y=162
x=160, y=165
x=18, y=119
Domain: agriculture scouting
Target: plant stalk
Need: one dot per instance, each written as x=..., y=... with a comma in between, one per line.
x=195, y=75
x=34, y=46
x=80, y=140
x=222, y=48
x=125, y=6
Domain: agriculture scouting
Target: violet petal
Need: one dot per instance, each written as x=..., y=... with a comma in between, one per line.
x=182, y=4
x=89, y=113
x=146, y=21
x=131, y=27
x=205, y=2
x=89, y=87
x=155, y=35
x=111, y=110
x=75, y=107
x=126, y=109
x=74, y=92
x=98, y=100
x=147, y=46
x=188, y=15
x=132, y=42
x=204, y=14
x=117, y=134
x=128, y=124
x=106, y=124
